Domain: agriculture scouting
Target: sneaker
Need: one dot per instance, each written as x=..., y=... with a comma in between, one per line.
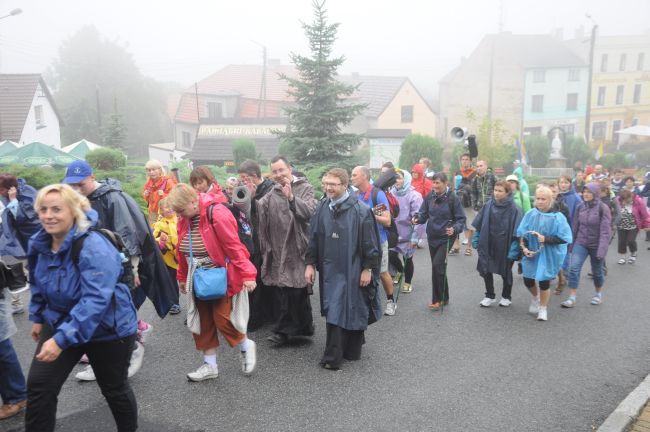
x=86, y=375
x=596, y=300
x=391, y=307
x=534, y=306
x=487, y=302
x=407, y=288
x=397, y=277
x=622, y=261
x=136, y=359
x=568, y=303
x=249, y=358
x=632, y=259
x=464, y=242
x=204, y=372
x=278, y=338
x=144, y=328
x=504, y=302
x=84, y=359
x=175, y=309
x=10, y=410
x=542, y=315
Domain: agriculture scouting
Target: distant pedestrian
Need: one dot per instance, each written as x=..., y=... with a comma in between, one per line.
x=495, y=239
x=443, y=213
x=344, y=247
x=283, y=228
x=634, y=217
x=156, y=188
x=544, y=235
x=521, y=199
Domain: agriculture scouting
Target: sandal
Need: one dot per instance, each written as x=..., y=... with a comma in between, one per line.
x=434, y=306
x=468, y=252
x=453, y=251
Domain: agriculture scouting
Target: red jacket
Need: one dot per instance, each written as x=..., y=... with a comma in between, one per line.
x=421, y=184
x=221, y=240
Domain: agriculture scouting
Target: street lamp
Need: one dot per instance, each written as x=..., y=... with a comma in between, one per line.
x=16, y=11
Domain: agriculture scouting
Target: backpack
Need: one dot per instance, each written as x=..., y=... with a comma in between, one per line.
x=244, y=230
x=393, y=204
x=128, y=276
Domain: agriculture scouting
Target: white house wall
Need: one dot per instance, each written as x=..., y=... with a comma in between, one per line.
x=50, y=132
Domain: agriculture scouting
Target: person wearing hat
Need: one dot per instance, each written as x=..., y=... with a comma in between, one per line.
x=117, y=211
x=521, y=199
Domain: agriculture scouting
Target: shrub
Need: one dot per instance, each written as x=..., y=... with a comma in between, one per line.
x=106, y=159
x=539, y=150
x=417, y=146
x=242, y=149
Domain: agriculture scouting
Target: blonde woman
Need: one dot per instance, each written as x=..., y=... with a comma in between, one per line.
x=78, y=307
x=214, y=242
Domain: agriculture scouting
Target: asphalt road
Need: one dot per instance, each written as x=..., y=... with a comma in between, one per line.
x=467, y=369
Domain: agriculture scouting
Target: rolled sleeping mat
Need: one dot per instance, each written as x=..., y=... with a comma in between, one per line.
x=241, y=198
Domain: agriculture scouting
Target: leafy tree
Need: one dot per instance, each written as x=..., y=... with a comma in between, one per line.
x=106, y=159
x=321, y=109
x=88, y=75
x=114, y=134
x=539, y=150
x=615, y=160
x=242, y=149
x=575, y=149
x=495, y=145
x=417, y=146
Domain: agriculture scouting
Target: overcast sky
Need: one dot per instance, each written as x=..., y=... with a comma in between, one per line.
x=186, y=40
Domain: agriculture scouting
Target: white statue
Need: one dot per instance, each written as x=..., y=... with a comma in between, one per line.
x=556, y=146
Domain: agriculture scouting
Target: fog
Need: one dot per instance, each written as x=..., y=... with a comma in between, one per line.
x=186, y=41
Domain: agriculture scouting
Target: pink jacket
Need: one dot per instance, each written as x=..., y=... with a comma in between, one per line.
x=639, y=211
x=221, y=240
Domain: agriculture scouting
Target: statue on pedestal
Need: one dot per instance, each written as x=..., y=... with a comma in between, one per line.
x=556, y=146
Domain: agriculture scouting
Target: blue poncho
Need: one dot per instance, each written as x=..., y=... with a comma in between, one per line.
x=546, y=264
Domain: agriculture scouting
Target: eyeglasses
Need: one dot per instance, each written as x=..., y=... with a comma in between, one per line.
x=325, y=184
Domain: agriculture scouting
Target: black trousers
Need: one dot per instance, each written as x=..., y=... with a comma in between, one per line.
x=507, y=287
x=342, y=344
x=263, y=303
x=543, y=285
x=395, y=261
x=627, y=239
x=439, y=282
x=110, y=362
x=295, y=315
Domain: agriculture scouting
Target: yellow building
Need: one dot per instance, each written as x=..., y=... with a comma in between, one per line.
x=620, y=93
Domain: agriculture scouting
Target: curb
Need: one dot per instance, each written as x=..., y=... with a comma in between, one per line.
x=627, y=411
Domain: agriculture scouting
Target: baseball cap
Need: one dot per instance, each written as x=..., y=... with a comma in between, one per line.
x=512, y=177
x=77, y=171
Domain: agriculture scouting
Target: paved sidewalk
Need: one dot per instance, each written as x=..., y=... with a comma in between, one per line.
x=642, y=423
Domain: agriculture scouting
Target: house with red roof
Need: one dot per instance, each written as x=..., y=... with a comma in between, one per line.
x=27, y=111
x=248, y=101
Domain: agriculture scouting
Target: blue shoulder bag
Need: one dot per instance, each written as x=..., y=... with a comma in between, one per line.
x=208, y=283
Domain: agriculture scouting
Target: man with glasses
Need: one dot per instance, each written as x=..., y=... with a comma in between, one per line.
x=344, y=247
x=118, y=212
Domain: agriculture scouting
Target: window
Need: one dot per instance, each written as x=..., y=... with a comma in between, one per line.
x=572, y=102
x=215, y=110
x=637, y=94
x=603, y=63
x=407, y=113
x=187, y=140
x=569, y=129
x=533, y=131
x=574, y=74
x=635, y=121
x=620, y=90
x=622, y=61
x=616, y=126
x=538, y=103
x=639, y=61
x=598, y=129
x=539, y=76
x=601, y=95
x=38, y=115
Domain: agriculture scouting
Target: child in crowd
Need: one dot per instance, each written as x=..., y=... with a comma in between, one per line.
x=164, y=231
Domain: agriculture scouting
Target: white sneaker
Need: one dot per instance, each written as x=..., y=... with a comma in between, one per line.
x=487, y=302
x=391, y=307
x=249, y=358
x=204, y=372
x=136, y=359
x=504, y=302
x=534, y=306
x=542, y=314
x=87, y=374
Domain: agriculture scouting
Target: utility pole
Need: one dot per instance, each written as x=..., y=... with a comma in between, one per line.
x=99, y=108
x=261, y=107
x=594, y=30
x=490, y=85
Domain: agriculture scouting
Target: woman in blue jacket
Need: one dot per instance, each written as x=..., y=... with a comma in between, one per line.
x=78, y=307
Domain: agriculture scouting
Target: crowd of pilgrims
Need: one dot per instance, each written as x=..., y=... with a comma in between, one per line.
x=358, y=239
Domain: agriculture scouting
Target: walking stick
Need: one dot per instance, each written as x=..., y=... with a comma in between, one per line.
x=445, y=286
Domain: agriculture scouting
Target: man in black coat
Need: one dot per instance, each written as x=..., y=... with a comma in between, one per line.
x=119, y=212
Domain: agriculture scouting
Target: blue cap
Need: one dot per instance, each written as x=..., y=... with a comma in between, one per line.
x=77, y=171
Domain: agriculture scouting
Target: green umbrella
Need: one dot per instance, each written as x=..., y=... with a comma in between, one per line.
x=7, y=147
x=37, y=154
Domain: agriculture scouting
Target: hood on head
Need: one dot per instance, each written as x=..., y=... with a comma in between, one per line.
x=407, y=181
x=519, y=173
x=417, y=168
x=594, y=188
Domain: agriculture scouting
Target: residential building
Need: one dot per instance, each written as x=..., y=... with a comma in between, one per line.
x=529, y=83
x=27, y=111
x=620, y=91
x=236, y=102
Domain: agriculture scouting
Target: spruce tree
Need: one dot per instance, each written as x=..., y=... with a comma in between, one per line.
x=322, y=105
x=114, y=134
